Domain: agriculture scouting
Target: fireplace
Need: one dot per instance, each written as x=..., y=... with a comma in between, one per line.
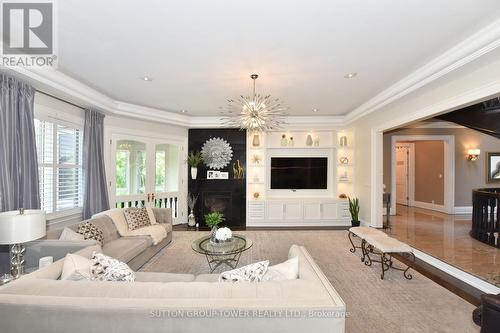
x=227, y=196
x=221, y=202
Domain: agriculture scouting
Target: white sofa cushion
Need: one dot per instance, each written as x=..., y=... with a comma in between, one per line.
x=76, y=267
x=70, y=235
x=288, y=270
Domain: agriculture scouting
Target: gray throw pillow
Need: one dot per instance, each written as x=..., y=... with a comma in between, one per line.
x=136, y=218
x=91, y=231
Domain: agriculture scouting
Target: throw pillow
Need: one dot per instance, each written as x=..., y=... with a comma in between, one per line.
x=91, y=231
x=76, y=268
x=137, y=218
x=288, y=270
x=105, y=268
x=151, y=214
x=251, y=273
x=70, y=235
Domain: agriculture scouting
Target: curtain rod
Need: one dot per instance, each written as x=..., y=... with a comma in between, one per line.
x=60, y=99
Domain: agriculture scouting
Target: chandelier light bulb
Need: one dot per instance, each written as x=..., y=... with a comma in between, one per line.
x=257, y=113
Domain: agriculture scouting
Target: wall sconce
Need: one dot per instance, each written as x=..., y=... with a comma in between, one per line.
x=473, y=154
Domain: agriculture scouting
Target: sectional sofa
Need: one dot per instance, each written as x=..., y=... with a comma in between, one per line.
x=164, y=302
x=133, y=250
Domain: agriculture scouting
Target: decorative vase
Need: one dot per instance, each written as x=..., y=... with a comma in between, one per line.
x=284, y=141
x=316, y=141
x=309, y=140
x=256, y=140
x=213, y=240
x=191, y=219
x=355, y=223
x=194, y=172
x=291, y=143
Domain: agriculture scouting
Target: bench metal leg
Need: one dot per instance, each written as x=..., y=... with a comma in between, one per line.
x=411, y=257
x=353, y=249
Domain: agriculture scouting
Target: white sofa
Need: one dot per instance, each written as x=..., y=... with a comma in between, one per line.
x=164, y=302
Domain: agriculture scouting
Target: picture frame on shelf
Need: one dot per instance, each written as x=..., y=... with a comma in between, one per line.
x=213, y=174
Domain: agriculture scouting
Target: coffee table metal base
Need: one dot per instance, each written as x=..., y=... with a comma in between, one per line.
x=216, y=261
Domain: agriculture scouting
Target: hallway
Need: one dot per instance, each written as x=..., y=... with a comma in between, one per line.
x=446, y=237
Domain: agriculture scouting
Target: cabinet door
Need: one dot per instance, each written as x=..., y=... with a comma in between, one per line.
x=275, y=211
x=328, y=211
x=312, y=211
x=293, y=211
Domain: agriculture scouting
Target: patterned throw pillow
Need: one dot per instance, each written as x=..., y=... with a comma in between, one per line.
x=90, y=231
x=105, y=268
x=137, y=218
x=251, y=273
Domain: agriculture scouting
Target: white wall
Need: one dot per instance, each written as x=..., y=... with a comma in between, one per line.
x=479, y=79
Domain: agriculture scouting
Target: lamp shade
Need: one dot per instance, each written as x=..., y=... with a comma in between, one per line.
x=474, y=152
x=20, y=228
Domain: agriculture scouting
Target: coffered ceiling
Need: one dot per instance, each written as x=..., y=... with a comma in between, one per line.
x=199, y=53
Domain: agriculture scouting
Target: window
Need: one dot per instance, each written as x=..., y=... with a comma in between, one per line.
x=59, y=149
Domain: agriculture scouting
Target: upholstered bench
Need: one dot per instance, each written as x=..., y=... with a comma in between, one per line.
x=387, y=246
x=362, y=233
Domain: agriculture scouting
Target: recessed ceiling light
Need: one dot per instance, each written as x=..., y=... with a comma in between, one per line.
x=183, y=111
x=350, y=75
x=146, y=78
x=315, y=110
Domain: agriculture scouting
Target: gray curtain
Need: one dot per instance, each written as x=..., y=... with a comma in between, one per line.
x=19, y=187
x=95, y=198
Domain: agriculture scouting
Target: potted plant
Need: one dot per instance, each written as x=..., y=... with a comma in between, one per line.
x=212, y=220
x=194, y=159
x=354, y=210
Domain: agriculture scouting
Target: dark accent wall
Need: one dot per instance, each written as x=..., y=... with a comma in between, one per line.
x=226, y=195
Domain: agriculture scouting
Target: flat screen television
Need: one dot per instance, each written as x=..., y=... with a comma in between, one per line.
x=299, y=173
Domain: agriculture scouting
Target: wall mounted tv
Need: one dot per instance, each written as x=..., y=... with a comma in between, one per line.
x=299, y=173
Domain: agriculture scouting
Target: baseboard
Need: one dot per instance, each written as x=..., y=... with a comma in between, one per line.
x=469, y=279
x=463, y=210
x=431, y=206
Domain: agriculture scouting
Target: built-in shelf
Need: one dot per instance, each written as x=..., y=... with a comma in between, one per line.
x=256, y=165
x=345, y=164
x=256, y=183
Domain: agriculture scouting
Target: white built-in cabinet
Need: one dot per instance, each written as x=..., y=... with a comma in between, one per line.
x=295, y=212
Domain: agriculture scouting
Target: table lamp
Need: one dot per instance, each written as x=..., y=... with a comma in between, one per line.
x=16, y=228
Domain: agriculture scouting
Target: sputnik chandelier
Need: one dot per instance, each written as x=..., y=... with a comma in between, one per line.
x=257, y=113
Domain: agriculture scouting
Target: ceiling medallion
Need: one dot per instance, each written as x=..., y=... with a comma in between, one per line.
x=216, y=153
x=256, y=113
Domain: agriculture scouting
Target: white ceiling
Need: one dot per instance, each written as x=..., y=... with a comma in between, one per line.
x=199, y=53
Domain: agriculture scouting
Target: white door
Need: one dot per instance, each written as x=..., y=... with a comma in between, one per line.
x=403, y=174
x=147, y=172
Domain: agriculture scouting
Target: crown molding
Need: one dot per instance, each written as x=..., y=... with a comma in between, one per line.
x=435, y=124
x=475, y=46
x=59, y=84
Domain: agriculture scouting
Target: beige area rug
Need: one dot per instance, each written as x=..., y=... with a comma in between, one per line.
x=374, y=305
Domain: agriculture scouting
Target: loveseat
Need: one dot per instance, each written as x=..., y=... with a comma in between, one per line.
x=133, y=250
x=165, y=302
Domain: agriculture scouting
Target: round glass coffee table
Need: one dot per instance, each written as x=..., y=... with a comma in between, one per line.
x=227, y=253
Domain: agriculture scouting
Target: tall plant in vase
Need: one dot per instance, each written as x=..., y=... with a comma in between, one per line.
x=354, y=210
x=194, y=159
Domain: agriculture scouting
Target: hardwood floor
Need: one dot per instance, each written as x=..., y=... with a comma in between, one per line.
x=446, y=237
